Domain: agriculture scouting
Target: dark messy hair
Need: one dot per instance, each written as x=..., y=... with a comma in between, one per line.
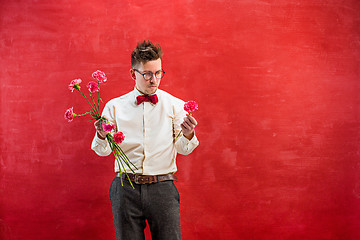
x=145, y=51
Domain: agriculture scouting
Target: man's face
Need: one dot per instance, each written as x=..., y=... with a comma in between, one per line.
x=147, y=87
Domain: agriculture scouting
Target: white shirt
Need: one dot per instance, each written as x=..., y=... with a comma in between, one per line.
x=150, y=131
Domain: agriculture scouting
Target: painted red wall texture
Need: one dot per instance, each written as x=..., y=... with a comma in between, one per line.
x=277, y=82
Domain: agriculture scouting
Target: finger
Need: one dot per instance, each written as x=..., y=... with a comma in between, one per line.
x=98, y=122
x=191, y=119
x=185, y=131
x=97, y=125
x=190, y=123
x=188, y=127
x=184, y=127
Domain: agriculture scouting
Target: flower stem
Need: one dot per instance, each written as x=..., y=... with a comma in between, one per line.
x=124, y=158
x=96, y=108
x=98, y=99
x=119, y=156
x=95, y=113
x=178, y=135
x=79, y=115
x=126, y=174
x=127, y=159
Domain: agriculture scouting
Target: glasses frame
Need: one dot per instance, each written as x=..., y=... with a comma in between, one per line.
x=152, y=74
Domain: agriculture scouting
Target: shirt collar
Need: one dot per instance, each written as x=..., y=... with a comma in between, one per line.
x=137, y=92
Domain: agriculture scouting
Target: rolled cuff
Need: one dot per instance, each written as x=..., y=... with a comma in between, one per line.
x=100, y=146
x=185, y=146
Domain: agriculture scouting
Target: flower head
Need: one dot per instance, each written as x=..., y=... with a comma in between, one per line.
x=93, y=87
x=118, y=137
x=108, y=127
x=69, y=114
x=191, y=106
x=100, y=76
x=75, y=84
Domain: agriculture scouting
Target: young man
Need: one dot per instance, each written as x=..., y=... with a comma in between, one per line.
x=150, y=120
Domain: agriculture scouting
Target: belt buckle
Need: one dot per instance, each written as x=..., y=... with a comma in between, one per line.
x=136, y=179
x=144, y=179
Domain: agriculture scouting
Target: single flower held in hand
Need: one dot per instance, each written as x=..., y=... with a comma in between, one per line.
x=118, y=137
x=100, y=76
x=190, y=106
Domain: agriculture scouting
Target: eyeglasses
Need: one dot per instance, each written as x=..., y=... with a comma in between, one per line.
x=148, y=75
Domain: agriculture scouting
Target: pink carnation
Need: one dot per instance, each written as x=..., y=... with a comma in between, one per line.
x=118, y=137
x=108, y=127
x=75, y=84
x=69, y=114
x=93, y=87
x=100, y=76
x=191, y=106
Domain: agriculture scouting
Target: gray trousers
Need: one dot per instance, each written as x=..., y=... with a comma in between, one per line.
x=158, y=203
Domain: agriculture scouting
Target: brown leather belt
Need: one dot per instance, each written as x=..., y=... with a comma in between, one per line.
x=143, y=179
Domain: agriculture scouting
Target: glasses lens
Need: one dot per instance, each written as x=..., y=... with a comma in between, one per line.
x=159, y=74
x=148, y=75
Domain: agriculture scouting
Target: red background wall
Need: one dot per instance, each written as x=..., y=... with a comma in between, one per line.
x=277, y=82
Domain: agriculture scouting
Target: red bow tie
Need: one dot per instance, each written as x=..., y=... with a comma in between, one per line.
x=147, y=98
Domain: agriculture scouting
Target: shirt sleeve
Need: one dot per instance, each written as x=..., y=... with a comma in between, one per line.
x=100, y=146
x=185, y=146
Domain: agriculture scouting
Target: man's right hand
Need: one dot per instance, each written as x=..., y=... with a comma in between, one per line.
x=99, y=130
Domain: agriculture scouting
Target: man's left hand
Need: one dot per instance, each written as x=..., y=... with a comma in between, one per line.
x=188, y=126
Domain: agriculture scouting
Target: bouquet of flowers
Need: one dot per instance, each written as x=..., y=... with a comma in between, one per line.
x=114, y=137
x=190, y=106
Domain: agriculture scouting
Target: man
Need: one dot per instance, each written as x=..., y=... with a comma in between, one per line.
x=151, y=120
